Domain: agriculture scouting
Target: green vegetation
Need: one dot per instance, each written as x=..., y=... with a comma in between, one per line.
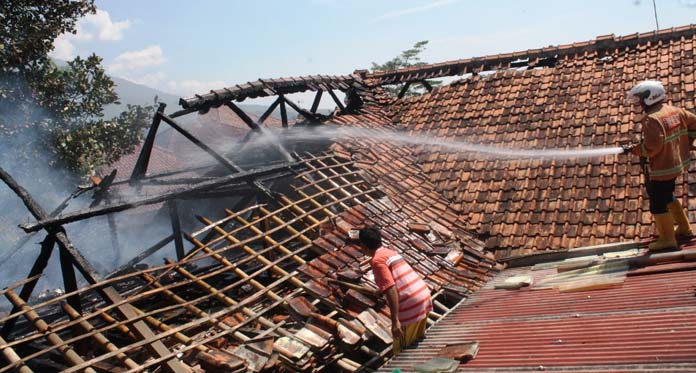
x=55, y=115
x=408, y=58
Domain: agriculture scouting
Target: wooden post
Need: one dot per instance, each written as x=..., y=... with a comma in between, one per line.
x=69, y=279
x=140, y=168
x=176, y=229
x=283, y=113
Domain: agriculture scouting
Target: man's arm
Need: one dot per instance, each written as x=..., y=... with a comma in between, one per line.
x=393, y=301
x=690, y=126
x=653, y=139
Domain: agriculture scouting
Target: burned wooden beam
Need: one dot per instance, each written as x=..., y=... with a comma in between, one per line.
x=176, y=229
x=218, y=157
x=270, y=109
x=69, y=279
x=308, y=115
x=36, y=270
x=427, y=85
x=404, y=89
x=283, y=113
x=140, y=168
x=180, y=193
x=242, y=115
x=337, y=101
x=92, y=276
x=315, y=103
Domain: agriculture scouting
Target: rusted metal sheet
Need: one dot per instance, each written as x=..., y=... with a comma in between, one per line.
x=645, y=325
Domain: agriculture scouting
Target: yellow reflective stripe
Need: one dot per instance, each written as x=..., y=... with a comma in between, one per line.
x=672, y=170
x=675, y=136
x=692, y=133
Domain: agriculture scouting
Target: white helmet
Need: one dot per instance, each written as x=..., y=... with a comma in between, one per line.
x=650, y=91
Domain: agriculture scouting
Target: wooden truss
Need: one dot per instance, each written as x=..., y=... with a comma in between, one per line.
x=228, y=301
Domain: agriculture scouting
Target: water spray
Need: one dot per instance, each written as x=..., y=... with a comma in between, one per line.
x=451, y=145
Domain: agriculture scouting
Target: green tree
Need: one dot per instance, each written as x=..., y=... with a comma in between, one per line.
x=407, y=58
x=51, y=114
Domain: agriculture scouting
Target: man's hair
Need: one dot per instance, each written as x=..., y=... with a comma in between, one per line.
x=370, y=237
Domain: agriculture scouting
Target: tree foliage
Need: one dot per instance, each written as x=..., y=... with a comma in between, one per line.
x=58, y=109
x=408, y=58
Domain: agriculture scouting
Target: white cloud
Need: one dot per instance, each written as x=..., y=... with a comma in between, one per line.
x=104, y=27
x=62, y=48
x=186, y=88
x=414, y=10
x=137, y=60
x=98, y=26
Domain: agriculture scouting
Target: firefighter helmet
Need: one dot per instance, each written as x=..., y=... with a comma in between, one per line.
x=649, y=91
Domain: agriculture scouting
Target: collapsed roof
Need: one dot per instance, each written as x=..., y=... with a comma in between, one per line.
x=274, y=284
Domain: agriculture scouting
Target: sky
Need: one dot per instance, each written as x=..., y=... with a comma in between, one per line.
x=185, y=47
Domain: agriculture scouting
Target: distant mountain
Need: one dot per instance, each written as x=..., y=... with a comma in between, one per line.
x=138, y=94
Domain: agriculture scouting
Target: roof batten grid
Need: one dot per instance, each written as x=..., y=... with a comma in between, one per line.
x=334, y=183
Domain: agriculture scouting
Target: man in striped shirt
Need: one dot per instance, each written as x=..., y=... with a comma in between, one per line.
x=407, y=294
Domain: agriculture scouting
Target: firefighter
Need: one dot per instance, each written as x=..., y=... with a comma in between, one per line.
x=668, y=135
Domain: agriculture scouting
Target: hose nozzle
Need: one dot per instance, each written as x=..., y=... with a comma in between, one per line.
x=627, y=148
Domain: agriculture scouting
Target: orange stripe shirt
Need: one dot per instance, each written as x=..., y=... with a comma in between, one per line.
x=390, y=269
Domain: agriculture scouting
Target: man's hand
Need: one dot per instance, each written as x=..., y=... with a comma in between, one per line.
x=397, y=333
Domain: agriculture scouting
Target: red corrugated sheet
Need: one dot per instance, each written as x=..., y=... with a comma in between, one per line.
x=648, y=324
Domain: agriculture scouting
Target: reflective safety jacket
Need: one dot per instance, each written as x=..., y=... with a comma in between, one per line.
x=667, y=135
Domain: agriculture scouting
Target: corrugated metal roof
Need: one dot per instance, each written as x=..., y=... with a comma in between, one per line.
x=648, y=324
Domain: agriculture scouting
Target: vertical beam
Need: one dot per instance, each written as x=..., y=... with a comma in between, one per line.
x=69, y=279
x=404, y=89
x=317, y=99
x=283, y=112
x=242, y=115
x=337, y=101
x=140, y=168
x=176, y=229
x=39, y=265
x=270, y=109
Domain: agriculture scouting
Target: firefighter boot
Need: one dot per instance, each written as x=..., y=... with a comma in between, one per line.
x=665, y=229
x=679, y=215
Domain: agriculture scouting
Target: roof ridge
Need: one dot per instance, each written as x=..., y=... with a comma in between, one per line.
x=489, y=62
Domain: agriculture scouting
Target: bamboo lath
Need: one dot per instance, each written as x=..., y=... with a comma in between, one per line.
x=235, y=287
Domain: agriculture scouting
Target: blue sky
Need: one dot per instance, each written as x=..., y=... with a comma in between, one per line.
x=186, y=47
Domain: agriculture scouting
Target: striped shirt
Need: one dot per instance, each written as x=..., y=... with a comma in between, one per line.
x=390, y=269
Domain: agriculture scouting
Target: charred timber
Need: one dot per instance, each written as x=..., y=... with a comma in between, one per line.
x=176, y=194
